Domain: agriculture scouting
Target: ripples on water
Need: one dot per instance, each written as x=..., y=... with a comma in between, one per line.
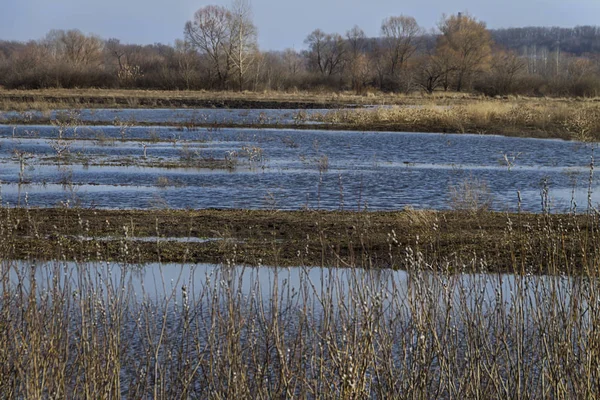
x=377, y=171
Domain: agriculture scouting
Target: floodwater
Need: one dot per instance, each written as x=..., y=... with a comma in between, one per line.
x=159, y=281
x=105, y=167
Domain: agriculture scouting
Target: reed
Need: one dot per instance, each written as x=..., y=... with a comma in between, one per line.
x=84, y=328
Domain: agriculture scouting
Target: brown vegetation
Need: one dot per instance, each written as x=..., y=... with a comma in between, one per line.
x=219, y=52
x=545, y=119
x=77, y=330
x=528, y=242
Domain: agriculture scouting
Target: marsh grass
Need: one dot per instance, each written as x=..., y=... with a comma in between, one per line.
x=81, y=330
x=470, y=195
x=445, y=113
x=569, y=120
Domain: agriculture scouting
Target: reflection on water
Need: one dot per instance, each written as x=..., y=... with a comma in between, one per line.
x=157, y=281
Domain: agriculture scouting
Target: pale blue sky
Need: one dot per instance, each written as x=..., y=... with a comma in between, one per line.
x=281, y=23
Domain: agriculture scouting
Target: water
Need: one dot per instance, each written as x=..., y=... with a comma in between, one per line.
x=167, y=314
x=288, y=169
x=159, y=281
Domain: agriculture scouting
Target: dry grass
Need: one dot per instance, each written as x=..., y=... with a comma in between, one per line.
x=78, y=331
x=442, y=112
x=570, y=120
x=45, y=99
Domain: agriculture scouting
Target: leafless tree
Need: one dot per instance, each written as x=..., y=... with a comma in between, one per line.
x=505, y=66
x=293, y=62
x=243, y=46
x=357, y=60
x=400, y=40
x=209, y=32
x=74, y=47
x=429, y=72
x=326, y=52
x=187, y=61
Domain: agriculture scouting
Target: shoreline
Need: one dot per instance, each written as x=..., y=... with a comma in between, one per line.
x=390, y=128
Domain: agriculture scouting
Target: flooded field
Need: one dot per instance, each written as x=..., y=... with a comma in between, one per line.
x=158, y=325
x=129, y=166
x=155, y=282
x=192, y=302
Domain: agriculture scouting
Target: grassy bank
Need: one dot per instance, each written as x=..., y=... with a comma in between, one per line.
x=50, y=99
x=542, y=119
x=522, y=243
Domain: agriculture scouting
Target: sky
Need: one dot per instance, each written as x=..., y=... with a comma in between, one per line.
x=281, y=23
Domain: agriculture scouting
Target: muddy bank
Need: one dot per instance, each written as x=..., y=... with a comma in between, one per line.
x=453, y=241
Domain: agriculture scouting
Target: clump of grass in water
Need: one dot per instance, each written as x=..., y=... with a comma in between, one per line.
x=470, y=194
x=549, y=119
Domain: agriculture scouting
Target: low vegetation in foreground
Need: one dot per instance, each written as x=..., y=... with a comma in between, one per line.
x=446, y=327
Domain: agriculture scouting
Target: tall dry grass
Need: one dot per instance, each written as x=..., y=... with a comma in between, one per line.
x=573, y=120
x=87, y=330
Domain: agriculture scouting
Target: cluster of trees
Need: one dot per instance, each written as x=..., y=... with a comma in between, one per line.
x=219, y=51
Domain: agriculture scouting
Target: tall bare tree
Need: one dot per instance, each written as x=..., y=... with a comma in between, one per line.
x=74, y=47
x=357, y=60
x=187, y=61
x=228, y=37
x=209, y=32
x=243, y=47
x=293, y=62
x=400, y=41
x=326, y=52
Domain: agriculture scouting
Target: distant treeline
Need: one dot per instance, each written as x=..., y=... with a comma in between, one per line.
x=219, y=51
x=578, y=41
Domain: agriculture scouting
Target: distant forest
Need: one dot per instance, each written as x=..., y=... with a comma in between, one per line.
x=578, y=41
x=219, y=51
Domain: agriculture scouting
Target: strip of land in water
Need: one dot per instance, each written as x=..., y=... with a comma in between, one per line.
x=577, y=119
x=452, y=241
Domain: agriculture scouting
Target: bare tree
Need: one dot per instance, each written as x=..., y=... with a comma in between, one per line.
x=187, y=61
x=429, y=72
x=209, y=32
x=505, y=66
x=326, y=52
x=74, y=47
x=243, y=45
x=293, y=62
x=114, y=49
x=227, y=37
x=400, y=41
x=358, y=62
